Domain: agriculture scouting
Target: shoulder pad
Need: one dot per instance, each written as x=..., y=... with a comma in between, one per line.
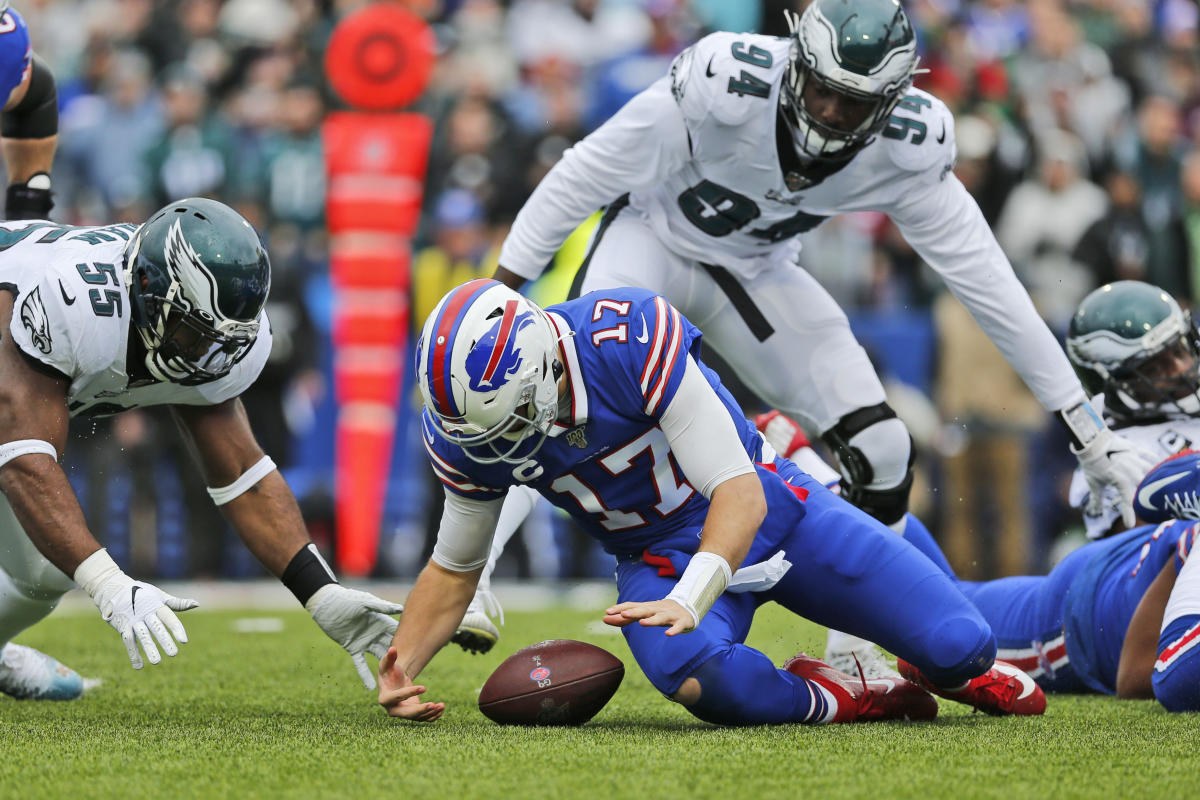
x=919, y=136
x=702, y=76
x=1169, y=491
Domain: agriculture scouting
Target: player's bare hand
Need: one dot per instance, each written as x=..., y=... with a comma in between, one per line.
x=399, y=696
x=652, y=613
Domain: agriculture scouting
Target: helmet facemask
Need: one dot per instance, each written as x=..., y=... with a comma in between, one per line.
x=1162, y=383
x=187, y=339
x=867, y=94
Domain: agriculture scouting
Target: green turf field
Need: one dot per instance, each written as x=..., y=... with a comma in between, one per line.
x=283, y=715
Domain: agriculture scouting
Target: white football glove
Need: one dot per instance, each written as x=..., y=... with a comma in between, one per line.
x=356, y=620
x=139, y=611
x=1112, y=460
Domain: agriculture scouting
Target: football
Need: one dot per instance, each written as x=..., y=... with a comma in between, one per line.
x=556, y=682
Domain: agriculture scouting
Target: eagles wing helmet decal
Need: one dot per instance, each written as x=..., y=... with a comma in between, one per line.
x=178, y=254
x=33, y=315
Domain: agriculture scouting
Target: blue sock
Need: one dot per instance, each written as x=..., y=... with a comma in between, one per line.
x=741, y=686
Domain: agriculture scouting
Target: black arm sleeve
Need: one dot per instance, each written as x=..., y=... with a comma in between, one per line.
x=36, y=116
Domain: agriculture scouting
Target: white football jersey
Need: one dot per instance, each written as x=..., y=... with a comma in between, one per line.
x=72, y=314
x=1160, y=440
x=697, y=154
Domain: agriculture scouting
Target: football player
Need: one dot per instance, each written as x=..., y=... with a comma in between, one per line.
x=1135, y=350
x=28, y=120
x=602, y=405
x=1120, y=616
x=710, y=174
x=100, y=320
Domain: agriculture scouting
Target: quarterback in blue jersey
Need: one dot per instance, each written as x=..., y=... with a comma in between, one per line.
x=602, y=405
x=28, y=120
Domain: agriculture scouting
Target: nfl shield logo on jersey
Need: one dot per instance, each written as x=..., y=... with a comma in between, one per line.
x=576, y=437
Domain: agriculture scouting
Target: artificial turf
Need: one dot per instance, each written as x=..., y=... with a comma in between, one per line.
x=282, y=715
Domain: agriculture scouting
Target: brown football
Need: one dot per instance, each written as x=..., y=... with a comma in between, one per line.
x=556, y=682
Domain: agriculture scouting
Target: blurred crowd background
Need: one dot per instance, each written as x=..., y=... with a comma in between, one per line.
x=1078, y=130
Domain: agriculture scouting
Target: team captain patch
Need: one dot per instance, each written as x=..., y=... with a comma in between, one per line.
x=33, y=315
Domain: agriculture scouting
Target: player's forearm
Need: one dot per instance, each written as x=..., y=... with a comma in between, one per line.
x=25, y=157
x=268, y=520
x=736, y=510
x=432, y=612
x=45, y=504
x=1139, y=648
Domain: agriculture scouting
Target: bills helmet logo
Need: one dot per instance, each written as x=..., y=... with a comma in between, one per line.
x=495, y=357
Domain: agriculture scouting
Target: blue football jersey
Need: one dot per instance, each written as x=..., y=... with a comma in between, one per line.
x=1106, y=590
x=607, y=463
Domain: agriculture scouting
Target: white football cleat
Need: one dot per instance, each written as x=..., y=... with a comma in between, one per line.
x=477, y=633
x=868, y=658
x=28, y=674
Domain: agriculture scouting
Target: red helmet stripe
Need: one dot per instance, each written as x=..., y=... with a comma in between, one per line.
x=506, y=323
x=443, y=340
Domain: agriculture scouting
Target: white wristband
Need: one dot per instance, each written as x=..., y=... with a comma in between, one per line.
x=1083, y=422
x=26, y=447
x=95, y=570
x=224, y=494
x=703, y=581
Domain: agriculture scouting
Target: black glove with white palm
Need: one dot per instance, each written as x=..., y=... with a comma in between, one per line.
x=1106, y=460
x=141, y=612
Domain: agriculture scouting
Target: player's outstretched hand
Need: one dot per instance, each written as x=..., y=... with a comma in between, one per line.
x=356, y=620
x=1112, y=460
x=142, y=613
x=658, y=613
x=399, y=697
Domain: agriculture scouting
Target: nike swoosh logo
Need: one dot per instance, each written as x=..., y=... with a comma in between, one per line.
x=133, y=598
x=66, y=298
x=645, y=337
x=1144, y=493
x=1028, y=686
x=942, y=137
x=708, y=73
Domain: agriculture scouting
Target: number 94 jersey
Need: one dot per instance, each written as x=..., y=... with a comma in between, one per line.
x=72, y=315
x=607, y=462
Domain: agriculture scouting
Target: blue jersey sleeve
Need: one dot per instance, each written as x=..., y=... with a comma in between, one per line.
x=645, y=341
x=453, y=468
x=16, y=52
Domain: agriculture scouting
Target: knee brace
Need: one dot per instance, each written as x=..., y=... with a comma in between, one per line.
x=1176, y=676
x=876, y=456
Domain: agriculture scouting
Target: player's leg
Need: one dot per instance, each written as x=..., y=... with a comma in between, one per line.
x=30, y=588
x=1176, y=676
x=721, y=680
x=851, y=573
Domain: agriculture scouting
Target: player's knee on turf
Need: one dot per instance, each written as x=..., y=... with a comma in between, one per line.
x=1176, y=677
x=876, y=455
x=957, y=649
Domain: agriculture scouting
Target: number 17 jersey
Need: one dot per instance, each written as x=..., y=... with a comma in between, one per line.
x=607, y=462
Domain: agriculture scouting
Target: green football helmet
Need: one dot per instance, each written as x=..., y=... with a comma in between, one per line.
x=1133, y=342
x=863, y=50
x=198, y=278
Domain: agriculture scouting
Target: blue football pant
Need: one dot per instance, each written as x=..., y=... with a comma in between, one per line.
x=848, y=572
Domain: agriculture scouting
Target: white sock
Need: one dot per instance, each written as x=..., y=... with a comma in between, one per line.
x=18, y=610
x=900, y=525
x=838, y=642
x=831, y=703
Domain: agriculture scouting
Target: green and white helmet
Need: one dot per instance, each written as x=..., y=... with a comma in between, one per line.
x=198, y=278
x=864, y=50
x=1133, y=342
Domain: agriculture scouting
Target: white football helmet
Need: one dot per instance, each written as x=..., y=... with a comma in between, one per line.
x=865, y=51
x=488, y=368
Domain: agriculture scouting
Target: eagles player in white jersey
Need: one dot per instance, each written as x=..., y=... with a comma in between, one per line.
x=99, y=320
x=710, y=174
x=1138, y=352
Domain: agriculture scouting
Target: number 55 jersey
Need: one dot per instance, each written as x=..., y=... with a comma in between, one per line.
x=72, y=317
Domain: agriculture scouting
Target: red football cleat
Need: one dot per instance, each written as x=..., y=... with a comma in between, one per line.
x=784, y=434
x=862, y=700
x=1002, y=690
